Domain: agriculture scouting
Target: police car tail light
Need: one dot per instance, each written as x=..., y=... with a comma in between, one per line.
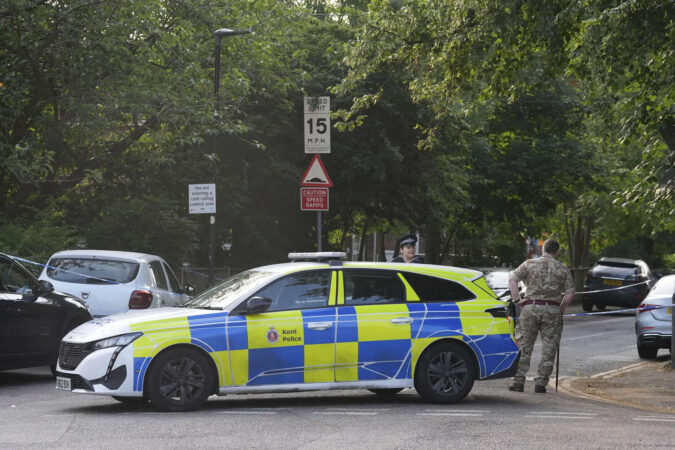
x=140, y=299
x=500, y=311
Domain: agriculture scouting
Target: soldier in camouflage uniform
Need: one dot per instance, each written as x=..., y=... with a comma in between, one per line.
x=549, y=290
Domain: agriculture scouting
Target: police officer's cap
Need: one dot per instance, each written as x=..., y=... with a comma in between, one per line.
x=407, y=239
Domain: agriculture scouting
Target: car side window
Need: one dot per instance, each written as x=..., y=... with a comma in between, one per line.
x=370, y=287
x=171, y=278
x=432, y=289
x=13, y=279
x=158, y=274
x=298, y=291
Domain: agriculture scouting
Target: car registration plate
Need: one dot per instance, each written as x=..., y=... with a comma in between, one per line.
x=63, y=383
x=612, y=282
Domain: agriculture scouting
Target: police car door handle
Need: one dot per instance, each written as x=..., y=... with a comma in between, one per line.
x=319, y=325
x=402, y=320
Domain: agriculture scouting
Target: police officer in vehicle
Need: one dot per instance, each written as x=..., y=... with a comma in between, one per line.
x=407, y=245
x=549, y=291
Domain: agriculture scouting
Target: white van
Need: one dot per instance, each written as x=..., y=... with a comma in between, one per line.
x=113, y=282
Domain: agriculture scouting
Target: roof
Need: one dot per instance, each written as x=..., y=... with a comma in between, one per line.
x=428, y=269
x=102, y=254
x=619, y=260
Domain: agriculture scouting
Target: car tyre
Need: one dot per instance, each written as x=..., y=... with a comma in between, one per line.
x=445, y=373
x=647, y=352
x=386, y=392
x=180, y=380
x=587, y=306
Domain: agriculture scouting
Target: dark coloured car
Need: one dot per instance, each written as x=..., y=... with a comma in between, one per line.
x=33, y=317
x=619, y=282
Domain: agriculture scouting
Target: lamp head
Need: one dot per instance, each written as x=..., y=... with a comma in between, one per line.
x=226, y=32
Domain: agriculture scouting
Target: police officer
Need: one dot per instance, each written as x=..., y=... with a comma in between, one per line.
x=549, y=290
x=407, y=245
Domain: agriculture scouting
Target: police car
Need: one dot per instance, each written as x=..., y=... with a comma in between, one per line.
x=315, y=324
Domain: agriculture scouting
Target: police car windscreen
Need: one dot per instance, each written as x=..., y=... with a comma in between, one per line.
x=223, y=294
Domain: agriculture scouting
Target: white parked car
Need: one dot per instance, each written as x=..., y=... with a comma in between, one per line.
x=113, y=282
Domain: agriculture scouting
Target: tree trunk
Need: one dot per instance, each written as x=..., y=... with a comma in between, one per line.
x=381, y=256
x=433, y=246
x=362, y=244
x=578, y=234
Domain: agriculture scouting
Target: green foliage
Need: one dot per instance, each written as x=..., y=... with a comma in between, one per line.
x=144, y=225
x=473, y=122
x=35, y=241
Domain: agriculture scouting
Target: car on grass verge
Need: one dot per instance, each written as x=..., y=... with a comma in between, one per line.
x=653, y=320
x=33, y=317
x=299, y=326
x=113, y=282
x=619, y=282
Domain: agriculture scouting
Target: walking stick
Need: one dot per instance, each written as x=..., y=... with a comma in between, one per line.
x=557, y=367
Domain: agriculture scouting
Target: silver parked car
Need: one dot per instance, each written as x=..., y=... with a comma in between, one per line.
x=653, y=320
x=113, y=282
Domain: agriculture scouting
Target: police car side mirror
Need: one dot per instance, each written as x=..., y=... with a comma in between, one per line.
x=258, y=304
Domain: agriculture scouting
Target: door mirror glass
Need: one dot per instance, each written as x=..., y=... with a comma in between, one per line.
x=258, y=304
x=189, y=290
x=43, y=287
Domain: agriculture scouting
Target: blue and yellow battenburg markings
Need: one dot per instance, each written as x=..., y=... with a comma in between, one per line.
x=335, y=343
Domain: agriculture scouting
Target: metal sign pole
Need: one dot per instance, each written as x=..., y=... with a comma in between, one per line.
x=318, y=231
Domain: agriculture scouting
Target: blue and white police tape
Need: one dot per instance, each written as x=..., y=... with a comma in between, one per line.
x=641, y=309
x=628, y=286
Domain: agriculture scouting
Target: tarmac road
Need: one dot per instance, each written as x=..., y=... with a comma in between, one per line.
x=34, y=415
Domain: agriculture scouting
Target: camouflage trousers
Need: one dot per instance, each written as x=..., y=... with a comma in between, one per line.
x=534, y=319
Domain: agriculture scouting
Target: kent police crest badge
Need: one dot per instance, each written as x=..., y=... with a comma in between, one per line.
x=272, y=335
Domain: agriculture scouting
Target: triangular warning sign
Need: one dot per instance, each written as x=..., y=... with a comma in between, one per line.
x=316, y=175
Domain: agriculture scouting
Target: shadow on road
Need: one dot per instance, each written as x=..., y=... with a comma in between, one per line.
x=25, y=377
x=342, y=399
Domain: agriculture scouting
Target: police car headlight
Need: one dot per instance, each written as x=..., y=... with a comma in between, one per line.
x=116, y=341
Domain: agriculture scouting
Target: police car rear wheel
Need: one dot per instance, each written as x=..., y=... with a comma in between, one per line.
x=180, y=380
x=445, y=374
x=386, y=392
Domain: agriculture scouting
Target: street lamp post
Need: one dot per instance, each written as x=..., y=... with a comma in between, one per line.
x=219, y=34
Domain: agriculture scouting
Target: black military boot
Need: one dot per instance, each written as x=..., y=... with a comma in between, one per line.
x=517, y=387
x=539, y=389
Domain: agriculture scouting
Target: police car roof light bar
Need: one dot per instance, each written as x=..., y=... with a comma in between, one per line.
x=317, y=256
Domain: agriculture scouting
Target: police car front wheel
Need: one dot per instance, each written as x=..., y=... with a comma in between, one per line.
x=445, y=373
x=180, y=380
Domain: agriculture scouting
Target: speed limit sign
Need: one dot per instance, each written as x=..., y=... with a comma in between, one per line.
x=317, y=125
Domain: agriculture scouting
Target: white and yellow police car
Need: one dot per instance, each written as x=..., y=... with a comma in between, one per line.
x=310, y=325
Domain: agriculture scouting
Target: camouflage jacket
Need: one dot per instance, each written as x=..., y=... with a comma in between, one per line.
x=545, y=278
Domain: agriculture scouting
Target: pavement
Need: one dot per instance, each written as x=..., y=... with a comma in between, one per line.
x=647, y=385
